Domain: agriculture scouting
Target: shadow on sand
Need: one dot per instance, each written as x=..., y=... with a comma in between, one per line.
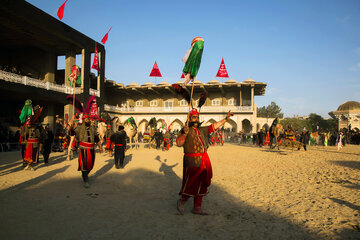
x=136, y=204
x=8, y=165
x=350, y=164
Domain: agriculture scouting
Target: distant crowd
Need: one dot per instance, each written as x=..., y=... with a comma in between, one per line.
x=18, y=70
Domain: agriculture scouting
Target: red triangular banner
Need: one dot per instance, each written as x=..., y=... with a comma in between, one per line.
x=182, y=75
x=222, y=70
x=155, y=72
x=105, y=38
x=60, y=11
x=94, y=111
x=95, y=64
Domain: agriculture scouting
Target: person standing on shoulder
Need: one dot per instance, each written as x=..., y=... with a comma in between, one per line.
x=197, y=171
x=32, y=135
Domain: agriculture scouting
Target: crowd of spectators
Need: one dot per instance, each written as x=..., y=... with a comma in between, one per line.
x=8, y=139
x=19, y=71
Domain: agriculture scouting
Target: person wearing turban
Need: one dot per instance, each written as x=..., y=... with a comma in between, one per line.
x=197, y=171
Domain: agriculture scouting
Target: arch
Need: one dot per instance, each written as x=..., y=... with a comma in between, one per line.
x=142, y=125
x=231, y=125
x=159, y=123
x=246, y=126
x=176, y=125
x=266, y=127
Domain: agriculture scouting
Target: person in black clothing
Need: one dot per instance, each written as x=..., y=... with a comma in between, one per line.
x=158, y=138
x=47, y=138
x=304, y=138
x=119, y=140
x=261, y=138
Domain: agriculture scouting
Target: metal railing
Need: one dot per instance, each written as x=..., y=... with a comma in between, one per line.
x=15, y=78
x=209, y=109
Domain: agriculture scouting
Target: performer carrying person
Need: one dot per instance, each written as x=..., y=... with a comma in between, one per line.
x=87, y=137
x=197, y=171
x=109, y=144
x=119, y=140
x=31, y=135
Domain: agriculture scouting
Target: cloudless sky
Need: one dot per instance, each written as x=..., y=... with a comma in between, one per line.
x=308, y=52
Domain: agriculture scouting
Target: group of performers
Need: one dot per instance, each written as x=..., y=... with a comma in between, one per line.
x=197, y=170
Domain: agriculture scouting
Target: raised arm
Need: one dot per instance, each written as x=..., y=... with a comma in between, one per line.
x=222, y=122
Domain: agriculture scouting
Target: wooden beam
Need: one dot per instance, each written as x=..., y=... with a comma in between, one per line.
x=170, y=90
x=150, y=88
x=138, y=91
x=221, y=89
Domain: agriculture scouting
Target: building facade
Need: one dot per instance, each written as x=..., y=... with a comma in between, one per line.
x=347, y=114
x=143, y=102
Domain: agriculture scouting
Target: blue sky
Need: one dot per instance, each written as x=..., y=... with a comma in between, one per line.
x=308, y=52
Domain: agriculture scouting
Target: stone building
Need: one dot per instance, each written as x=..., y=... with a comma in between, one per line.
x=347, y=114
x=143, y=102
x=31, y=44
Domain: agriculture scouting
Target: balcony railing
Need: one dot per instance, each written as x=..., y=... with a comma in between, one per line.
x=15, y=78
x=204, y=109
x=93, y=92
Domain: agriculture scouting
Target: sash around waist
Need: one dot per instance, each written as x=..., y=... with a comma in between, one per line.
x=32, y=140
x=86, y=144
x=120, y=145
x=194, y=154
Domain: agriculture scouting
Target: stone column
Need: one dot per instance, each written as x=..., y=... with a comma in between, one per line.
x=240, y=101
x=50, y=64
x=70, y=60
x=101, y=80
x=252, y=97
x=50, y=117
x=85, y=71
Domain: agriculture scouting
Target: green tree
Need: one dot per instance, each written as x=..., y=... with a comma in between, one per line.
x=297, y=124
x=270, y=111
x=316, y=121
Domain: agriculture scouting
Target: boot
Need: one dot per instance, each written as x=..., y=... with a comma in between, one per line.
x=197, y=206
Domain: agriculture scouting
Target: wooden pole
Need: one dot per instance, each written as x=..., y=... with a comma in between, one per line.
x=73, y=99
x=191, y=96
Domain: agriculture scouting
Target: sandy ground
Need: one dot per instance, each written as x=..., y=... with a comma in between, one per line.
x=255, y=194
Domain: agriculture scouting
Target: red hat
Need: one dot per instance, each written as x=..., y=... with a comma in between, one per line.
x=194, y=111
x=85, y=116
x=196, y=39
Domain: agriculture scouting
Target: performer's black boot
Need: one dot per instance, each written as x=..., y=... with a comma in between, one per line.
x=85, y=178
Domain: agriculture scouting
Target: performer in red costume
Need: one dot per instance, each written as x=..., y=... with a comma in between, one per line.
x=109, y=144
x=197, y=171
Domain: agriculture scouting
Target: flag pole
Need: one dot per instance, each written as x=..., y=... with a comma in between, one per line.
x=73, y=98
